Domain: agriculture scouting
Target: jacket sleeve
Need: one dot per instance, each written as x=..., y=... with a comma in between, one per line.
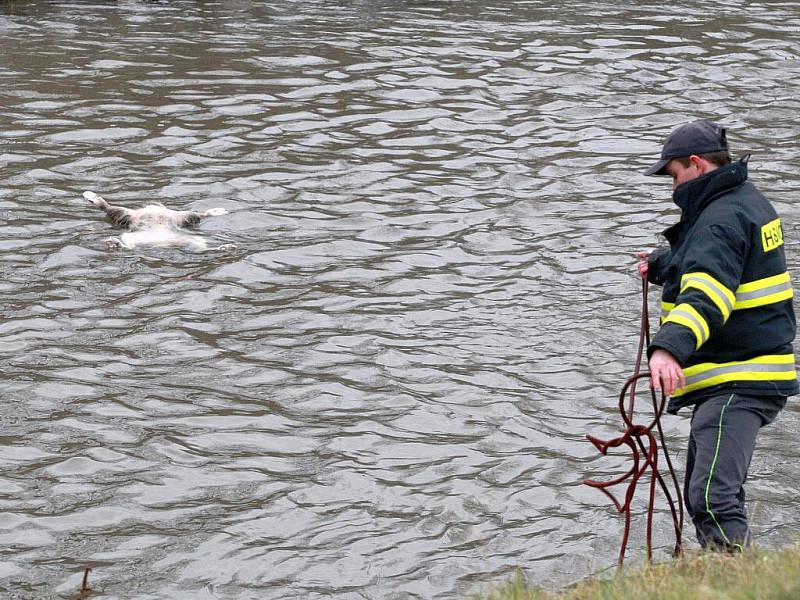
x=657, y=265
x=710, y=275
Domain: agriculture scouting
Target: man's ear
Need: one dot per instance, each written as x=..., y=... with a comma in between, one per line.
x=701, y=163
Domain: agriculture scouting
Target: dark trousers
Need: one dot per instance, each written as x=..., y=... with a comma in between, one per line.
x=721, y=443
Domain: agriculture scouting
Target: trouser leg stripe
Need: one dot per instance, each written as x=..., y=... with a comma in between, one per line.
x=711, y=475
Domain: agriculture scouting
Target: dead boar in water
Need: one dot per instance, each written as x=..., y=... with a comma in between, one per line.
x=155, y=225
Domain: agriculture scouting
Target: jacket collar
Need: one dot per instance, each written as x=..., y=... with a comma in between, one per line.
x=694, y=196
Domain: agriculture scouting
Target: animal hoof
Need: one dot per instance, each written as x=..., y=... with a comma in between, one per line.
x=114, y=244
x=215, y=212
x=95, y=199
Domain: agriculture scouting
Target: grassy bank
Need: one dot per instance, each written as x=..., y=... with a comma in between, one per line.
x=755, y=575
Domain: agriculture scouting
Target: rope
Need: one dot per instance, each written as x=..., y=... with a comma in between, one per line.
x=644, y=451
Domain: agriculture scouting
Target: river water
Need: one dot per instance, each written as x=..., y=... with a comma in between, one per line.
x=383, y=392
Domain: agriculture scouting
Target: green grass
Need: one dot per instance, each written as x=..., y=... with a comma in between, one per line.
x=754, y=575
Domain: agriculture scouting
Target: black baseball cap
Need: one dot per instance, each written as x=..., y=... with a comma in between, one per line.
x=697, y=137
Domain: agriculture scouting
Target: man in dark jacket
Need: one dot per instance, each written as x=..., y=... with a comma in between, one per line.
x=725, y=342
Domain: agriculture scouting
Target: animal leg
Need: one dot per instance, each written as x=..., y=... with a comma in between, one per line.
x=120, y=217
x=115, y=243
x=96, y=199
x=215, y=212
x=192, y=219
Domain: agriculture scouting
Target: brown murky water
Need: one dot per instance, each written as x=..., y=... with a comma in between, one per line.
x=383, y=393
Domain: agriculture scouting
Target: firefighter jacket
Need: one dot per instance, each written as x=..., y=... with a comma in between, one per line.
x=727, y=314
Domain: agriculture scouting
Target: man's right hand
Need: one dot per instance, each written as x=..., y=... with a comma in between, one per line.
x=643, y=265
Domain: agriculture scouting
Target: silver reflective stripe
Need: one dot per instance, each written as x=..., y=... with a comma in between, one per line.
x=722, y=295
x=773, y=289
x=743, y=368
x=701, y=327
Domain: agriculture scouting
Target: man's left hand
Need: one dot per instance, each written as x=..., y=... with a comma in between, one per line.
x=665, y=372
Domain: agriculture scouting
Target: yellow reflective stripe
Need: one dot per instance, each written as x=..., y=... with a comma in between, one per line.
x=686, y=315
x=771, y=367
x=760, y=284
x=752, y=294
x=766, y=299
x=722, y=297
x=764, y=291
x=665, y=308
